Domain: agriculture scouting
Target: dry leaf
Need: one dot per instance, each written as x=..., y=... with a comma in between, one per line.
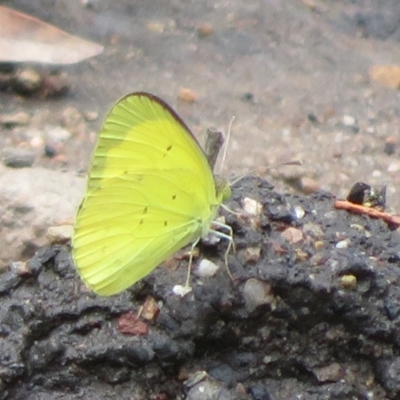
x=27, y=39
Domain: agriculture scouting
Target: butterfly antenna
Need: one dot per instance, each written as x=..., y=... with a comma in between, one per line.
x=228, y=136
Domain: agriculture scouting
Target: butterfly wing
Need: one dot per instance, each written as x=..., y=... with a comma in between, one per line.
x=150, y=192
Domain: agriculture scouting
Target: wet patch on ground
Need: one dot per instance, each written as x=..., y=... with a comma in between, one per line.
x=314, y=312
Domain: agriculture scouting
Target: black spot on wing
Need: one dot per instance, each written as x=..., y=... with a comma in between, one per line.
x=167, y=150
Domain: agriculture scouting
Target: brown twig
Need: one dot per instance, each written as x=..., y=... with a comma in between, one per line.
x=393, y=220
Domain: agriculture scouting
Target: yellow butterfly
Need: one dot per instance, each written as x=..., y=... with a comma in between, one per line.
x=150, y=192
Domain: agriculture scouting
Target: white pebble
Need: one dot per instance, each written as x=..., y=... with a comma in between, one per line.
x=181, y=290
x=343, y=244
x=206, y=268
x=251, y=206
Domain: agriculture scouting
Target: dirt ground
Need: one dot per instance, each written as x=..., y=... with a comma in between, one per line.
x=313, y=313
x=295, y=74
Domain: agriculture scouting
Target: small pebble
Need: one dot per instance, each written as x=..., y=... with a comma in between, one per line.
x=343, y=244
x=299, y=212
x=370, y=130
x=27, y=81
x=90, y=4
x=208, y=389
x=150, y=309
x=318, y=259
x=248, y=97
x=348, y=281
x=50, y=151
x=318, y=245
x=388, y=372
x=390, y=145
x=292, y=235
x=156, y=26
x=194, y=378
x=350, y=122
x=205, y=29
x=394, y=166
x=312, y=118
x=61, y=159
x=257, y=293
x=259, y=392
x=251, y=206
x=181, y=290
x=188, y=95
x=21, y=268
x=252, y=254
x=313, y=229
x=309, y=185
x=36, y=142
x=59, y=234
x=91, y=116
x=56, y=134
x=301, y=255
x=206, y=268
x=15, y=119
x=71, y=118
x=311, y=5
x=18, y=157
x=129, y=324
x=330, y=373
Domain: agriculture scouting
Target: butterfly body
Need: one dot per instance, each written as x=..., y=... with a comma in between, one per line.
x=150, y=192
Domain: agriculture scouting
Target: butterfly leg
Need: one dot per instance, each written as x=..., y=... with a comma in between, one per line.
x=191, y=261
x=229, y=238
